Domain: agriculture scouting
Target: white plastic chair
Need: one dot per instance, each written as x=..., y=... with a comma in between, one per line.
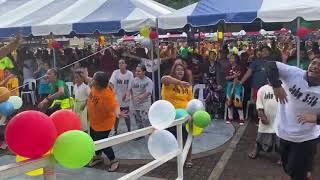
x=201, y=88
x=31, y=85
x=70, y=86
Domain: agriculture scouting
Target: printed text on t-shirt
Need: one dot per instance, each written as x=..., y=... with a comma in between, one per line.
x=309, y=99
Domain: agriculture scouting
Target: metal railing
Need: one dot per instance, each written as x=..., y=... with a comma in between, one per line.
x=48, y=163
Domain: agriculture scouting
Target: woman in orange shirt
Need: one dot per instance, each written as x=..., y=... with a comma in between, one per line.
x=102, y=110
x=177, y=89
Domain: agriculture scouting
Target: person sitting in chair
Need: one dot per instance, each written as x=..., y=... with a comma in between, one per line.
x=58, y=97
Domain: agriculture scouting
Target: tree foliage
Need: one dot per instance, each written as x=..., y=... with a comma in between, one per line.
x=177, y=4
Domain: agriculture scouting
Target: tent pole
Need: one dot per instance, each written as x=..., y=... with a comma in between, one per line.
x=298, y=43
x=54, y=58
x=158, y=56
x=152, y=59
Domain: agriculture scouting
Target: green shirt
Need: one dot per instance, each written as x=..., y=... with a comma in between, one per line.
x=53, y=88
x=304, y=63
x=6, y=63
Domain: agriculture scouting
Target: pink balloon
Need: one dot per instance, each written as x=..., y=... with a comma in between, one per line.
x=30, y=134
x=153, y=35
x=65, y=120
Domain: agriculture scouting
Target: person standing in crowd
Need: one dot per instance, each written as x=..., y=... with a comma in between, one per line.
x=234, y=90
x=213, y=78
x=43, y=84
x=177, y=89
x=267, y=107
x=109, y=61
x=102, y=111
x=256, y=70
x=29, y=63
x=195, y=67
x=11, y=82
x=141, y=92
x=58, y=97
x=81, y=94
x=6, y=62
x=121, y=82
x=304, y=61
x=298, y=92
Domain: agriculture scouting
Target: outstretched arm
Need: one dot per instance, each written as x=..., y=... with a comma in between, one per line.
x=273, y=77
x=10, y=47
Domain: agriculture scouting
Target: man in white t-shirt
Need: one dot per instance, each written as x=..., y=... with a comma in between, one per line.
x=267, y=109
x=121, y=81
x=298, y=92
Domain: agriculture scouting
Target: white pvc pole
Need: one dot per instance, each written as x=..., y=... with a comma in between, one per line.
x=298, y=44
x=152, y=59
x=158, y=54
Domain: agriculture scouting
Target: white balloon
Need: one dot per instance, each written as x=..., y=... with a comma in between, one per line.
x=162, y=142
x=161, y=114
x=16, y=101
x=195, y=105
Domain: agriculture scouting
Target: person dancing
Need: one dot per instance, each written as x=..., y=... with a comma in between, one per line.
x=298, y=93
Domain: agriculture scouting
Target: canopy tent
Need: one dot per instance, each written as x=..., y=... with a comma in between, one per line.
x=41, y=17
x=210, y=12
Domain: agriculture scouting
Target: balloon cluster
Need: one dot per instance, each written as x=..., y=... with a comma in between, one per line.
x=162, y=114
x=32, y=134
x=52, y=44
x=8, y=104
x=148, y=35
x=200, y=118
x=161, y=142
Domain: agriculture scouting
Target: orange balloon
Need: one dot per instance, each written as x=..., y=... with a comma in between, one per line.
x=4, y=94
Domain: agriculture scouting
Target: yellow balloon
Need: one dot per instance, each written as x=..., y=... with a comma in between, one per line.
x=36, y=172
x=196, y=131
x=145, y=31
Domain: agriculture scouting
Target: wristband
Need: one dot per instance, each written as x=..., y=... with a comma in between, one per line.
x=48, y=99
x=318, y=119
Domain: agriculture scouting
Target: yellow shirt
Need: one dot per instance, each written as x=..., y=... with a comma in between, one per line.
x=13, y=84
x=179, y=96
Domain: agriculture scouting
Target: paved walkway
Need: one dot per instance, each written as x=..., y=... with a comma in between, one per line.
x=240, y=167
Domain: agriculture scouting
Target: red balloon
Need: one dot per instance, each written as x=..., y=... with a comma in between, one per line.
x=65, y=120
x=302, y=32
x=153, y=35
x=30, y=134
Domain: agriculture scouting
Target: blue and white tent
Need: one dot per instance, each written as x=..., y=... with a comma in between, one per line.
x=41, y=17
x=210, y=12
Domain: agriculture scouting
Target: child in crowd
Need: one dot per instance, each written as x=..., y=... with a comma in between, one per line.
x=11, y=82
x=141, y=92
x=234, y=90
x=267, y=107
x=81, y=94
x=43, y=84
x=102, y=111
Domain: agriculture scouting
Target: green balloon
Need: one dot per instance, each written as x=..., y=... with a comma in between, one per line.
x=74, y=149
x=180, y=113
x=201, y=119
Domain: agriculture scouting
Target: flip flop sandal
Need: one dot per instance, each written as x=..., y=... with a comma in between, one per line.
x=115, y=162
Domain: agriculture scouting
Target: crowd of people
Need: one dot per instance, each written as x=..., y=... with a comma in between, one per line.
x=111, y=85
